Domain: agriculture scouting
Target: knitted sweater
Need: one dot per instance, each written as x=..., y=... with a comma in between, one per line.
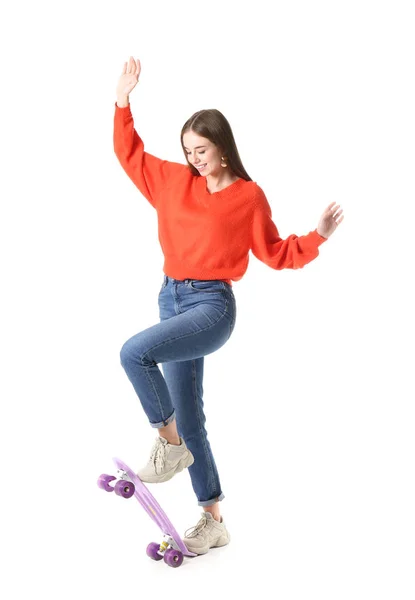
x=207, y=235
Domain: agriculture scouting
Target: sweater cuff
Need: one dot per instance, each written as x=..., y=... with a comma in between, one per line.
x=125, y=109
x=317, y=238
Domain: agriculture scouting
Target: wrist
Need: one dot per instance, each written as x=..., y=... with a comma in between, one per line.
x=320, y=234
x=123, y=101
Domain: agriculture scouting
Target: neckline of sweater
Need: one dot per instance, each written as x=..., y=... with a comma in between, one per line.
x=224, y=190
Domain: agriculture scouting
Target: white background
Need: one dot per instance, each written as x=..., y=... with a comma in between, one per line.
x=310, y=404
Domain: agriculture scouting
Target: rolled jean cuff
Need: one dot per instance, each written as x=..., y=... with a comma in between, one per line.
x=211, y=502
x=166, y=422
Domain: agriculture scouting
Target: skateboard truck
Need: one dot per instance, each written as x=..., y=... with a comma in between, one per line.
x=167, y=543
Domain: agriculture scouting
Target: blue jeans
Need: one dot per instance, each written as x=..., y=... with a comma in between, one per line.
x=197, y=317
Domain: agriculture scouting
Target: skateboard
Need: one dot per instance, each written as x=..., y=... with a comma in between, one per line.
x=126, y=485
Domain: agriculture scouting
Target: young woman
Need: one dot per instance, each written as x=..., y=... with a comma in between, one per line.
x=210, y=215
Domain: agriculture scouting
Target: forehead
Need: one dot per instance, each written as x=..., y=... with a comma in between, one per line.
x=192, y=140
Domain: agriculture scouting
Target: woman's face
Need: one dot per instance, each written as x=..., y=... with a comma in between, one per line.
x=202, y=154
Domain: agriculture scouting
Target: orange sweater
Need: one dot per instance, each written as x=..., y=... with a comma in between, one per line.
x=204, y=235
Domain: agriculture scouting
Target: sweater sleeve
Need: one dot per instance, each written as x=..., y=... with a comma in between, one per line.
x=267, y=245
x=146, y=171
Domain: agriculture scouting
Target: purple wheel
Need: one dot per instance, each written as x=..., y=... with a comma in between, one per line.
x=173, y=558
x=124, y=488
x=152, y=551
x=103, y=482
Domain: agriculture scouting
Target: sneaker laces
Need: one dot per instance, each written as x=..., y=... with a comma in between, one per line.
x=158, y=455
x=194, y=531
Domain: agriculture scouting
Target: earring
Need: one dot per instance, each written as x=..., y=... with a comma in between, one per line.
x=223, y=158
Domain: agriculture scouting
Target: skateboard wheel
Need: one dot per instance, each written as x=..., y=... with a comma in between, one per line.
x=125, y=489
x=173, y=558
x=152, y=551
x=103, y=482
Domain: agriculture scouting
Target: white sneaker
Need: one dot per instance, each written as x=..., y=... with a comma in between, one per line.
x=208, y=533
x=165, y=461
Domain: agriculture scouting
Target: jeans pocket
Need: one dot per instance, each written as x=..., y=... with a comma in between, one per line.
x=205, y=285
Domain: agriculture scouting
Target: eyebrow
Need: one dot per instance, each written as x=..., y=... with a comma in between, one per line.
x=195, y=147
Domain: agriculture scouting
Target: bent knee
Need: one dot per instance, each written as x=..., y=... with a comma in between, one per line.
x=133, y=351
x=128, y=351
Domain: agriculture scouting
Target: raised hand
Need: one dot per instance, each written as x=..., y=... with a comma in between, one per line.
x=329, y=220
x=128, y=80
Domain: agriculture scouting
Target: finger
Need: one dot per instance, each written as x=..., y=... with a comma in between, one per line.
x=337, y=213
x=124, y=70
x=138, y=66
x=130, y=64
x=334, y=209
x=328, y=212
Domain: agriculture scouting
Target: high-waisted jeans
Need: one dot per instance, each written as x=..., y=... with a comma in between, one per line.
x=197, y=317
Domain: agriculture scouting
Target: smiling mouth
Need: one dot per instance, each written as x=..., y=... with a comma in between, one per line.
x=201, y=167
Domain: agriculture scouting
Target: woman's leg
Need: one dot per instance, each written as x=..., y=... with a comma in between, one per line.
x=185, y=383
x=194, y=323
x=200, y=325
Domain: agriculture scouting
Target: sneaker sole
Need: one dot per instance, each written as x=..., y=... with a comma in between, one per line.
x=222, y=541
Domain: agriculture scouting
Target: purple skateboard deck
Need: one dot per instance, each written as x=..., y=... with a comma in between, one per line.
x=152, y=508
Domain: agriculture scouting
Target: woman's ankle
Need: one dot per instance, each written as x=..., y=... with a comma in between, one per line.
x=169, y=433
x=214, y=511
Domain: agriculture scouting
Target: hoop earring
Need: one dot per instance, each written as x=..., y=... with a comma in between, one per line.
x=223, y=158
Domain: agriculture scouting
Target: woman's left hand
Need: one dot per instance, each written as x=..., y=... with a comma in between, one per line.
x=329, y=220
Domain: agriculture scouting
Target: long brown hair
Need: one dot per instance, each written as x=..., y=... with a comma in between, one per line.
x=211, y=124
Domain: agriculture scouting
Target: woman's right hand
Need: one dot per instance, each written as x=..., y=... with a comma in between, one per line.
x=128, y=80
